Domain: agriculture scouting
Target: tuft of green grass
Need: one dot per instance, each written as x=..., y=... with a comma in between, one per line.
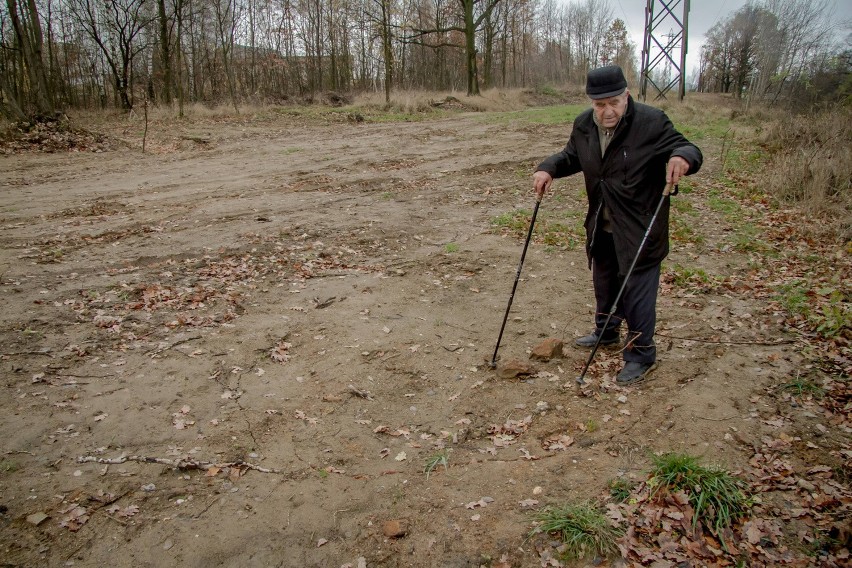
x=683, y=230
x=682, y=276
x=582, y=527
x=683, y=207
x=516, y=221
x=818, y=544
x=619, y=489
x=793, y=297
x=732, y=210
x=451, y=247
x=824, y=308
x=684, y=187
x=549, y=115
x=702, y=128
x=548, y=231
x=441, y=458
x=746, y=239
x=717, y=497
x=548, y=90
x=803, y=387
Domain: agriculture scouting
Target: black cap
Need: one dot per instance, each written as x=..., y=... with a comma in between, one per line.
x=605, y=82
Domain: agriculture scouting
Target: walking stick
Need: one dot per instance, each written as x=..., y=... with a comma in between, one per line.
x=666, y=192
x=493, y=362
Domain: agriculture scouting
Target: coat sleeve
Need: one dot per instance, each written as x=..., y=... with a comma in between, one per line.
x=562, y=163
x=673, y=143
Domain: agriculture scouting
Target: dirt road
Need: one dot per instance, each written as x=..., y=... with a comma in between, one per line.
x=262, y=340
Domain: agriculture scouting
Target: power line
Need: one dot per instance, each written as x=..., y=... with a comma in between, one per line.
x=623, y=13
x=719, y=13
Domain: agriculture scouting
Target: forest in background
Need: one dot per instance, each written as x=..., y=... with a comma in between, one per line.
x=61, y=54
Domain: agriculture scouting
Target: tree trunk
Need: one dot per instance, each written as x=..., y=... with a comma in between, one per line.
x=470, y=48
x=165, y=52
x=179, y=55
x=387, y=48
x=29, y=36
x=9, y=106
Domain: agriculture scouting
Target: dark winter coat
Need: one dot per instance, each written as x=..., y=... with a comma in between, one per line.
x=629, y=178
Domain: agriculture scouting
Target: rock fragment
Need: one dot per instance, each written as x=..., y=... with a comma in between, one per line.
x=513, y=368
x=396, y=528
x=548, y=349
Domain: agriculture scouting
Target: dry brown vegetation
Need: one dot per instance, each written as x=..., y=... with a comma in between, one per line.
x=810, y=164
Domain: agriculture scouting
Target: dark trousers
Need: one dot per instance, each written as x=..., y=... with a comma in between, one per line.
x=637, y=306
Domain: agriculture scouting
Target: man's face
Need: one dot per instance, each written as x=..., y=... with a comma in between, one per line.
x=610, y=110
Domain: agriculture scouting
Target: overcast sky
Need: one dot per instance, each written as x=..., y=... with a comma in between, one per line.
x=703, y=15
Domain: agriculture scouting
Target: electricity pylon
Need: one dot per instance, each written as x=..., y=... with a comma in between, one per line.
x=664, y=56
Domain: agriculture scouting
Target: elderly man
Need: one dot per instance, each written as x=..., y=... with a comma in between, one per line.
x=630, y=154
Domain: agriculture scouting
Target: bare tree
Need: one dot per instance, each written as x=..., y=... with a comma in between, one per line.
x=591, y=21
x=767, y=50
x=165, y=50
x=115, y=27
x=470, y=17
x=24, y=18
x=381, y=15
x=804, y=29
x=227, y=19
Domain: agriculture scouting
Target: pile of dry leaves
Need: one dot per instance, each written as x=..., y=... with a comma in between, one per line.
x=51, y=136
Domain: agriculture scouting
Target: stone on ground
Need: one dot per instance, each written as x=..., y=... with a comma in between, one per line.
x=513, y=368
x=548, y=349
x=396, y=528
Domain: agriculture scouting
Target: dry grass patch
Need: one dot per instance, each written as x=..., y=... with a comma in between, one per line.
x=810, y=164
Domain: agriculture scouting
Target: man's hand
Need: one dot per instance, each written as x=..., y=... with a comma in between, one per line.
x=676, y=168
x=541, y=183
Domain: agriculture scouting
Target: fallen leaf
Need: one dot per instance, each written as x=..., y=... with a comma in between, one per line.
x=75, y=517
x=560, y=442
x=125, y=512
x=280, y=352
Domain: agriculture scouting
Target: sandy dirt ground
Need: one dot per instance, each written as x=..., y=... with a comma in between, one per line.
x=263, y=342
